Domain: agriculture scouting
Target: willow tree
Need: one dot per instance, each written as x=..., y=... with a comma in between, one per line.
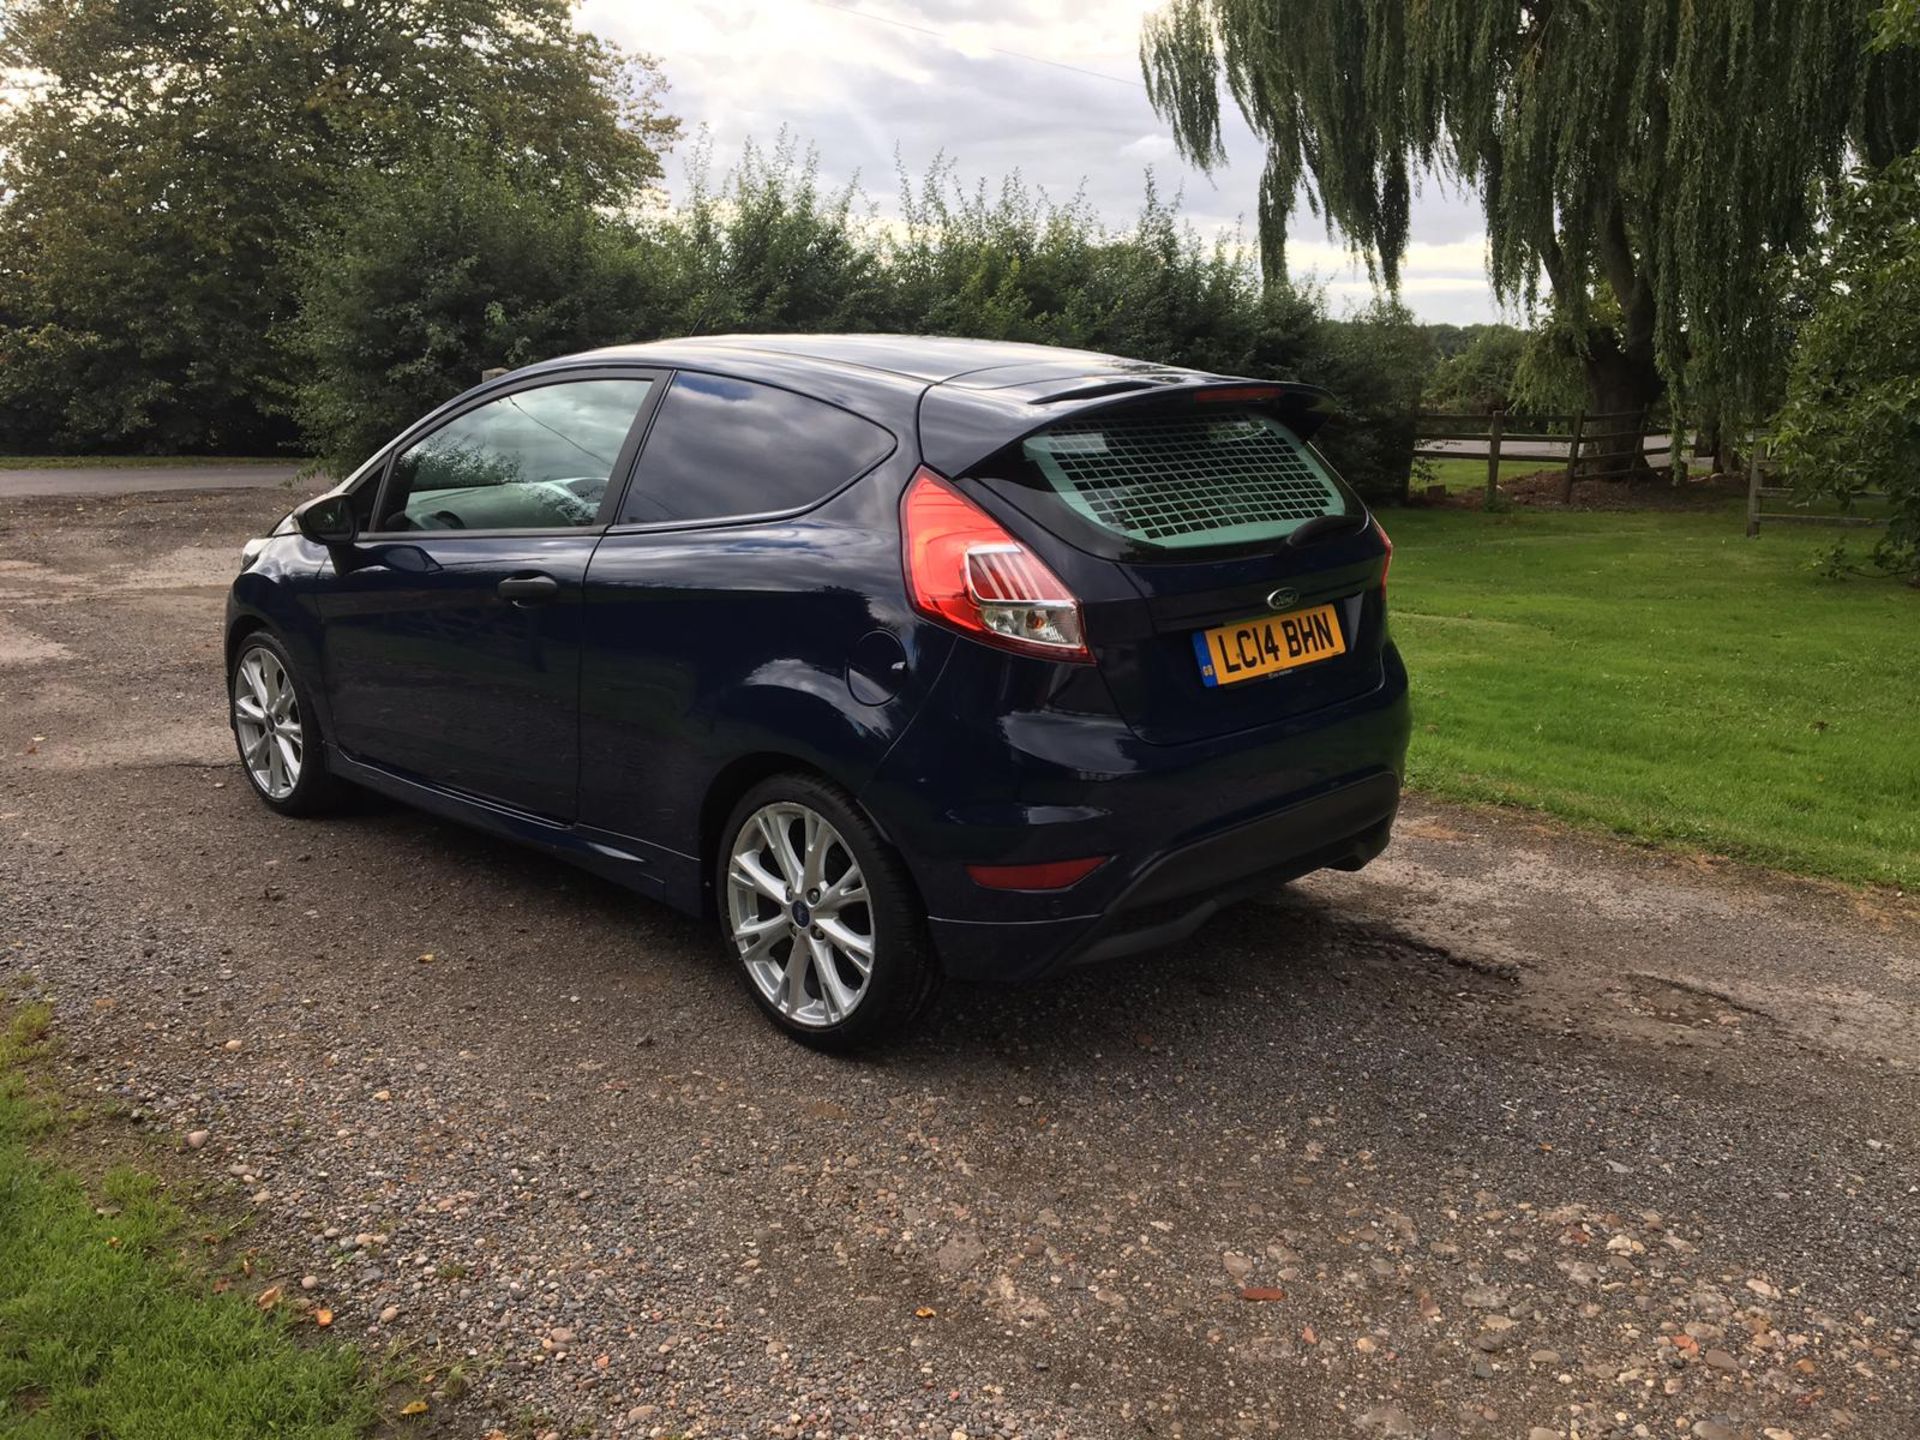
x=1646, y=166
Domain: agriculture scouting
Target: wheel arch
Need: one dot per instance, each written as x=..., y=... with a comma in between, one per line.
x=733, y=781
x=245, y=619
x=239, y=627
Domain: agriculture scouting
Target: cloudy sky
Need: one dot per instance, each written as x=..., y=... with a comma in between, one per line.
x=1050, y=88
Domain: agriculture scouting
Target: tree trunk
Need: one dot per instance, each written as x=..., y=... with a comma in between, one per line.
x=1714, y=444
x=1622, y=380
x=1622, y=375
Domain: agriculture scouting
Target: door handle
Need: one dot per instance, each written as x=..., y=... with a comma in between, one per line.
x=529, y=589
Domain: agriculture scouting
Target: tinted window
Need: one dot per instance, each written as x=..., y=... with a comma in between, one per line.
x=721, y=447
x=537, y=459
x=1145, y=483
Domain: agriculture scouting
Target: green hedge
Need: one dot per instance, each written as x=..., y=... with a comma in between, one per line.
x=440, y=270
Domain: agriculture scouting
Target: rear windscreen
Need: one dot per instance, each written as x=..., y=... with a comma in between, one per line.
x=1172, y=481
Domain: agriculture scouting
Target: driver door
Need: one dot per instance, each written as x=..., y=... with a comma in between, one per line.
x=452, y=638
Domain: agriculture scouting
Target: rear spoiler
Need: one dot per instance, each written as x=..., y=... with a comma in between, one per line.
x=964, y=421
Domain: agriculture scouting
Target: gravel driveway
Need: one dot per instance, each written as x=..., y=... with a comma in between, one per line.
x=1516, y=1134
x=115, y=480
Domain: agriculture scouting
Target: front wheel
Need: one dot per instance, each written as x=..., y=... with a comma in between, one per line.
x=821, y=917
x=275, y=728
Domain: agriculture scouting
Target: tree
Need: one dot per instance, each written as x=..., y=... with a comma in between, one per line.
x=436, y=270
x=1852, y=418
x=164, y=160
x=445, y=267
x=1647, y=159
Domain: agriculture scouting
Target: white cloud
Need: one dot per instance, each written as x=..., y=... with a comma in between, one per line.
x=1464, y=257
x=998, y=86
x=1154, y=149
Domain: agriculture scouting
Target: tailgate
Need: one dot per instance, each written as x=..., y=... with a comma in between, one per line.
x=1211, y=648
x=1252, y=576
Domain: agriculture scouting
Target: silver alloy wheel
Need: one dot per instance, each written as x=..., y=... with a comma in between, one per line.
x=798, y=912
x=266, y=716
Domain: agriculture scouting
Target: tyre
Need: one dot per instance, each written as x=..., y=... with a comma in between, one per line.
x=276, y=729
x=820, y=917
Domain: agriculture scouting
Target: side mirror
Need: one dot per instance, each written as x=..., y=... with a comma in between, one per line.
x=328, y=521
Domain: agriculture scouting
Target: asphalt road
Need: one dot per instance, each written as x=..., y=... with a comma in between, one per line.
x=1515, y=1134
x=1543, y=450
x=144, y=479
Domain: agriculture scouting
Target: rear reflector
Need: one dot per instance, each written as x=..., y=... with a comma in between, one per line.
x=1387, y=564
x=965, y=569
x=1238, y=393
x=1048, y=875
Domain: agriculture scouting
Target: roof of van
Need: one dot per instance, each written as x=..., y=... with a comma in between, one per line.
x=965, y=397
x=929, y=359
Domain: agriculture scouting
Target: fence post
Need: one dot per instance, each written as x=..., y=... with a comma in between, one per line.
x=1493, y=458
x=1573, y=455
x=493, y=372
x=1753, y=487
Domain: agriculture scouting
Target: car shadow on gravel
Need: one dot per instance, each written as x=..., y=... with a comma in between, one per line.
x=1281, y=970
x=1285, y=970
x=533, y=880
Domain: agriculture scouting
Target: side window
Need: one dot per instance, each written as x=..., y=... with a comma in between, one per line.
x=537, y=459
x=721, y=447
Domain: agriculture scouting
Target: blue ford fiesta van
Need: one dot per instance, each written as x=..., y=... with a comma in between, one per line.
x=901, y=658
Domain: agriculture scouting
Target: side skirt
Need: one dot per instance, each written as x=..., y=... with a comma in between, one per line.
x=650, y=870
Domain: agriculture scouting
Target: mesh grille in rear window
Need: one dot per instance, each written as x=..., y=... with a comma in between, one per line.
x=1177, y=481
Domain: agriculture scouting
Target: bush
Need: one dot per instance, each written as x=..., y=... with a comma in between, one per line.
x=1480, y=378
x=1852, y=418
x=767, y=252
x=441, y=270
x=1374, y=363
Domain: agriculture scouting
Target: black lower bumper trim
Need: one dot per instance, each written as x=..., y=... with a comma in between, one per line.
x=1174, y=897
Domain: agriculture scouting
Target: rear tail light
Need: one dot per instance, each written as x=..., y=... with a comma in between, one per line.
x=964, y=569
x=1048, y=875
x=1387, y=564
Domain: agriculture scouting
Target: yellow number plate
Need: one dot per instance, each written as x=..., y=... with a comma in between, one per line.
x=1269, y=645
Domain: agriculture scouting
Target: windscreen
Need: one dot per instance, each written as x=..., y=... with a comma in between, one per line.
x=1171, y=481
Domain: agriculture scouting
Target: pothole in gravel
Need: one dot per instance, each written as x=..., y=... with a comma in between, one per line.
x=31, y=581
x=182, y=743
x=22, y=647
x=78, y=735
x=187, y=567
x=1678, y=1003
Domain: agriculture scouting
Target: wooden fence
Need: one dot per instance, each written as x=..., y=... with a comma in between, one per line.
x=1579, y=442
x=1757, y=491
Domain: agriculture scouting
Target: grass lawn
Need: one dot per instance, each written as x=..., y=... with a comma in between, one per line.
x=1470, y=472
x=1660, y=675
x=137, y=462
x=108, y=1329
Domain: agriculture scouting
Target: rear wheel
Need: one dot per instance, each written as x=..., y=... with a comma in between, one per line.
x=275, y=729
x=821, y=917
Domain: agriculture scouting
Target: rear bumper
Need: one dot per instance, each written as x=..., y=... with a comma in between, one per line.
x=1185, y=888
x=1190, y=828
